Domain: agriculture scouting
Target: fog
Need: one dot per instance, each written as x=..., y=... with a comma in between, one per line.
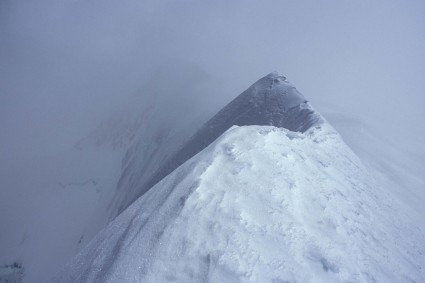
x=66, y=65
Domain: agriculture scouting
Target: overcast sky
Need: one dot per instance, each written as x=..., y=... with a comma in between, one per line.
x=65, y=64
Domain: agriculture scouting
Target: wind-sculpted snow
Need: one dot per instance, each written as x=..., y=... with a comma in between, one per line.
x=272, y=101
x=260, y=204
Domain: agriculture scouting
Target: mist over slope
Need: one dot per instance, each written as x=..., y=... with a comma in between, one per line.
x=53, y=204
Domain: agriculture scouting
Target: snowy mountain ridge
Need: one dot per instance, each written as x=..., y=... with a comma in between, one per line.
x=272, y=100
x=260, y=204
x=280, y=198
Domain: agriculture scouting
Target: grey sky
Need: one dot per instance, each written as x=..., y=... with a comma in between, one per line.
x=64, y=64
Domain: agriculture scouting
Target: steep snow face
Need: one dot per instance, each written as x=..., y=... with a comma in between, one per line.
x=260, y=204
x=272, y=100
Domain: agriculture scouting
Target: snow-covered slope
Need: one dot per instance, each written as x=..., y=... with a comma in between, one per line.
x=261, y=204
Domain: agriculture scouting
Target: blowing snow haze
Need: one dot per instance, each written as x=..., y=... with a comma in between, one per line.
x=96, y=96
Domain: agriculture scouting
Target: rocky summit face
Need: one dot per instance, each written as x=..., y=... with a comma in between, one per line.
x=271, y=101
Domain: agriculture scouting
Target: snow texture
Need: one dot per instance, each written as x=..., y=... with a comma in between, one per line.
x=260, y=204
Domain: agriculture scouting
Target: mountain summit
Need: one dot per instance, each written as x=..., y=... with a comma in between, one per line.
x=271, y=101
x=279, y=199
